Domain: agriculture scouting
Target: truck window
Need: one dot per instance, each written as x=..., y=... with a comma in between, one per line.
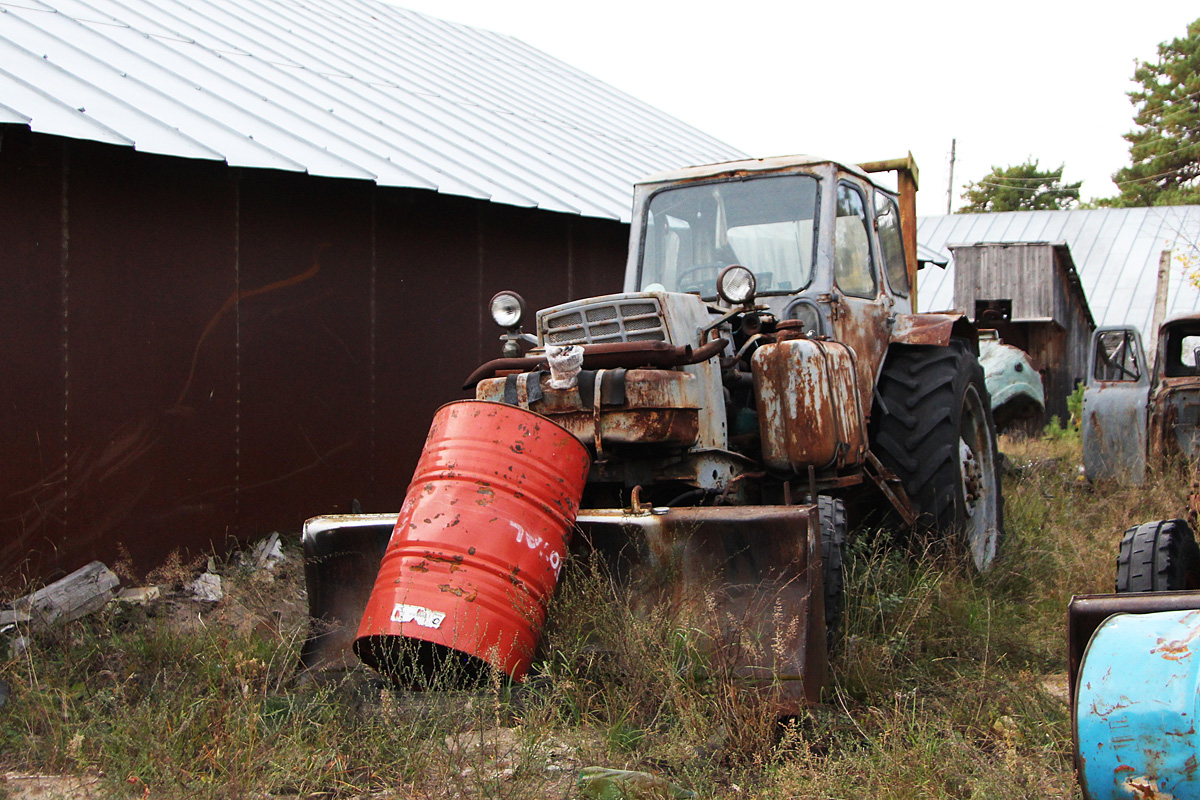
x=767, y=224
x=852, y=268
x=1116, y=357
x=1181, y=353
x=887, y=218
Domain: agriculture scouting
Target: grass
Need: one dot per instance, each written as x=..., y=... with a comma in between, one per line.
x=945, y=685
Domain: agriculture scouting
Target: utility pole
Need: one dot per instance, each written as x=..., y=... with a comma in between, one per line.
x=950, y=183
x=1160, y=301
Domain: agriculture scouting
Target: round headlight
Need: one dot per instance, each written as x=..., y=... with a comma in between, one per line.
x=508, y=308
x=736, y=285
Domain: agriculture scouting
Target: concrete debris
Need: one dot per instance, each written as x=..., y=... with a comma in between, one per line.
x=267, y=553
x=139, y=596
x=18, y=646
x=10, y=618
x=84, y=591
x=206, y=588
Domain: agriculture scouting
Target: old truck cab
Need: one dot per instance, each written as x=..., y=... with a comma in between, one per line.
x=1136, y=416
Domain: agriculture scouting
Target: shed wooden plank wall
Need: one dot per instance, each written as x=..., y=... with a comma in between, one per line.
x=196, y=352
x=1023, y=274
x=1050, y=320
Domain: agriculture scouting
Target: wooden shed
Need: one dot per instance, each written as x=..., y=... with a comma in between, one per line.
x=1031, y=294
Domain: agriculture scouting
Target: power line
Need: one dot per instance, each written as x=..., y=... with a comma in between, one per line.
x=1031, y=189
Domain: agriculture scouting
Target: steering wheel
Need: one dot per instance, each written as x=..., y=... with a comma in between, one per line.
x=701, y=279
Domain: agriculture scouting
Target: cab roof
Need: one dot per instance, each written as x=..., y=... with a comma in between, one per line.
x=773, y=164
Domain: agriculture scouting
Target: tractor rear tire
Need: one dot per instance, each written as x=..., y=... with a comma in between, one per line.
x=1160, y=556
x=831, y=516
x=932, y=426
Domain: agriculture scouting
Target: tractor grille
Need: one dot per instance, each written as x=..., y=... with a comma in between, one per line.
x=637, y=320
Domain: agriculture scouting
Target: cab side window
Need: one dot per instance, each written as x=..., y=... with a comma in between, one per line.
x=1116, y=357
x=852, y=268
x=887, y=219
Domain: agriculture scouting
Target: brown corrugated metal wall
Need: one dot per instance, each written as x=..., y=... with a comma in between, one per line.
x=195, y=352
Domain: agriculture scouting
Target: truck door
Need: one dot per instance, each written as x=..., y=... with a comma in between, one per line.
x=861, y=307
x=1114, y=407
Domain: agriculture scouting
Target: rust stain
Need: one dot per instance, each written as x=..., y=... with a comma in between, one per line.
x=442, y=558
x=467, y=595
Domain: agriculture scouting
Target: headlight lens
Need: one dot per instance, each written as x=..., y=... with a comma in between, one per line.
x=808, y=316
x=736, y=285
x=508, y=309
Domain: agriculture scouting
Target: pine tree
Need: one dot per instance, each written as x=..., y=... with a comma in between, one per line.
x=1022, y=187
x=1165, y=146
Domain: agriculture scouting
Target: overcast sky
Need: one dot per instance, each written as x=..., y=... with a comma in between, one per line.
x=862, y=81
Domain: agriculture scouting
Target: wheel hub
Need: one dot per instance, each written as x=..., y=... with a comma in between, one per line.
x=972, y=474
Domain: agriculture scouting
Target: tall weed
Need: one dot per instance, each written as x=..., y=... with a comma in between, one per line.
x=947, y=683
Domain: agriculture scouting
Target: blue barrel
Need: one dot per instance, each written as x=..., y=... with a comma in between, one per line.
x=1136, y=705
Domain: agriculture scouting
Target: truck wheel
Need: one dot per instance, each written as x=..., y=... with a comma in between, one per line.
x=932, y=426
x=831, y=517
x=1159, y=556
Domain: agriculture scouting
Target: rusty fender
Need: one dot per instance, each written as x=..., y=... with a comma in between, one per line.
x=615, y=355
x=934, y=329
x=748, y=576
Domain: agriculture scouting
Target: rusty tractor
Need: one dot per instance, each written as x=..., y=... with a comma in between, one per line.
x=764, y=371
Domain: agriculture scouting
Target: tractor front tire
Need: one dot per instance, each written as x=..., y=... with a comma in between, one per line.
x=831, y=515
x=1160, y=556
x=932, y=426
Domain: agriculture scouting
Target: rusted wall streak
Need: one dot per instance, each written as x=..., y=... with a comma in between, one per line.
x=246, y=348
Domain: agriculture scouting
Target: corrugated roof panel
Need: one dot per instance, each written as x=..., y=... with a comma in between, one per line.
x=343, y=88
x=1116, y=253
x=11, y=115
x=47, y=114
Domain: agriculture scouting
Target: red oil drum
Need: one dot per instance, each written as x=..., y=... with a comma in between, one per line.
x=476, y=551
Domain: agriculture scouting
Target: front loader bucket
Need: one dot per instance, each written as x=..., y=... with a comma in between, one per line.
x=750, y=576
x=341, y=560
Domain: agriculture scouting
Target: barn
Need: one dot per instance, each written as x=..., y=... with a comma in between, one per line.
x=247, y=249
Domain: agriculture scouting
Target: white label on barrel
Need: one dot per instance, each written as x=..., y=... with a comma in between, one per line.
x=422, y=616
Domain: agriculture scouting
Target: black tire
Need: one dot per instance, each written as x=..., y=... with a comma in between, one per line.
x=831, y=516
x=1160, y=556
x=932, y=426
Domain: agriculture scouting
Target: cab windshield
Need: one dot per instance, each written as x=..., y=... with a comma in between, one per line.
x=767, y=224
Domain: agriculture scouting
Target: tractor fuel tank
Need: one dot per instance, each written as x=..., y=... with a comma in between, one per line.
x=808, y=405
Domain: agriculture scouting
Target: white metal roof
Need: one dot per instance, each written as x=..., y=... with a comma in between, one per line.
x=339, y=88
x=1116, y=253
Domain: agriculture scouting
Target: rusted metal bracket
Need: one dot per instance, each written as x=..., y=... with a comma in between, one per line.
x=892, y=488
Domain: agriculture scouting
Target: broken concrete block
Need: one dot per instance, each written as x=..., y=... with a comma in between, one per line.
x=267, y=553
x=206, y=588
x=139, y=596
x=85, y=590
